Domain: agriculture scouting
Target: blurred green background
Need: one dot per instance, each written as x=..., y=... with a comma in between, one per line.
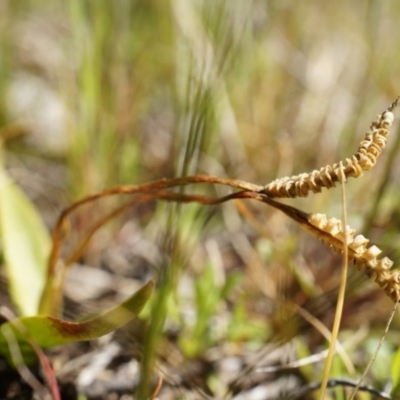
x=96, y=94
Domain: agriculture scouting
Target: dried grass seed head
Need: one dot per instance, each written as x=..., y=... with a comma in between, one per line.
x=365, y=258
x=368, y=151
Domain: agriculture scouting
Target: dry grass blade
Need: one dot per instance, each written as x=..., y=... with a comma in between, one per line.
x=341, y=294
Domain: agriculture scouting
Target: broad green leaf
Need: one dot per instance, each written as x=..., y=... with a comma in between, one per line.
x=47, y=331
x=26, y=246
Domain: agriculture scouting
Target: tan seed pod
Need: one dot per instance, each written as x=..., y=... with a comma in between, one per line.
x=365, y=159
x=332, y=234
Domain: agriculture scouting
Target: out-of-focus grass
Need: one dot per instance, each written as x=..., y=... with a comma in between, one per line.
x=251, y=90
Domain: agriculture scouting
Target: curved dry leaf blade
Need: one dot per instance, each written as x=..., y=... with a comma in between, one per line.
x=47, y=331
x=26, y=246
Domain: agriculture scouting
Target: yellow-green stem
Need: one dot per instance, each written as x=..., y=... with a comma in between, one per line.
x=340, y=300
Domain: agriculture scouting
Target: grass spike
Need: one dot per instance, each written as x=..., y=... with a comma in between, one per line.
x=365, y=258
x=368, y=151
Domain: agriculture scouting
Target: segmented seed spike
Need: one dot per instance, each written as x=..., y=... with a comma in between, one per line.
x=331, y=233
x=368, y=151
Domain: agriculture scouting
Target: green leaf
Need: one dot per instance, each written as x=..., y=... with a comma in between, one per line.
x=47, y=331
x=26, y=246
x=395, y=370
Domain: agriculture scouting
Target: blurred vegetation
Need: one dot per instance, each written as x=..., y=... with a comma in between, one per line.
x=96, y=94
